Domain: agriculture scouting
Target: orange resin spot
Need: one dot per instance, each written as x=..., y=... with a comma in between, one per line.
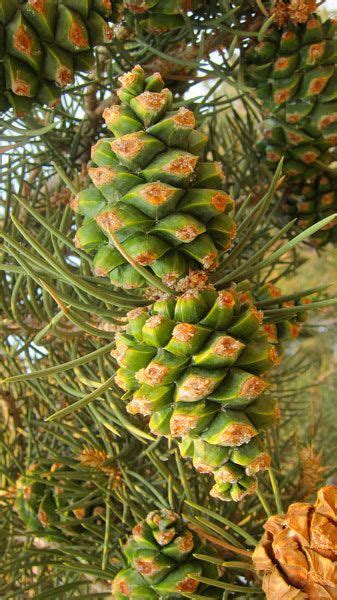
x=187, y=585
x=109, y=221
x=258, y=314
x=311, y=24
x=146, y=566
x=77, y=35
x=64, y=76
x=187, y=233
x=38, y=5
x=226, y=299
x=21, y=88
x=219, y=201
x=181, y=425
x=124, y=588
x=196, y=388
x=27, y=492
x=112, y=113
x=273, y=156
x=42, y=516
x=304, y=207
x=273, y=355
x=153, y=100
x=107, y=33
x=259, y=464
x=237, y=434
x=270, y=331
x=183, y=332
x=253, y=387
x=129, y=145
x=186, y=543
x=281, y=63
x=288, y=36
x=146, y=258
x=316, y=50
x=22, y=41
x=227, y=346
x=309, y=157
x=156, y=193
x=282, y=96
x=101, y=175
x=101, y=271
x=294, y=118
x=328, y=119
x=153, y=374
x=328, y=199
x=210, y=261
x=154, y=321
x=317, y=85
x=128, y=79
x=293, y=137
x=185, y=118
x=165, y=537
x=183, y=165
x=201, y=466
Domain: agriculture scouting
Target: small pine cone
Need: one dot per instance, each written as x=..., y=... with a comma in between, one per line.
x=297, y=555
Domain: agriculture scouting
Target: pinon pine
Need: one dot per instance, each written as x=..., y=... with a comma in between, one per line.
x=293, y=70
x=297, y=555
x=194, y=361
x=160, y=560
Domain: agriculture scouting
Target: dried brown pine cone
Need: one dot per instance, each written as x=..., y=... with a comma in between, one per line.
x=297, y=555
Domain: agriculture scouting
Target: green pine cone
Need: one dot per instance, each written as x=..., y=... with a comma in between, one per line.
x=311, y=200
x=293, y=71
x=160, y=560
x=193, y=364
x=43, y=507
x=45, y=43
x=152, y=191
x=158, y=16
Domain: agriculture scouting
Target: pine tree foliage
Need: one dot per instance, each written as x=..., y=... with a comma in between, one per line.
x=120, y=437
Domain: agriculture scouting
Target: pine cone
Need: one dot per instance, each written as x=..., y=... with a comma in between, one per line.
x=297, y=554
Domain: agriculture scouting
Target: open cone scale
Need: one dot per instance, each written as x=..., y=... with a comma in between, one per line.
x=297, y=555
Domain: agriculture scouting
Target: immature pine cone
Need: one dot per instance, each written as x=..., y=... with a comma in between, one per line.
x=297, y=554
